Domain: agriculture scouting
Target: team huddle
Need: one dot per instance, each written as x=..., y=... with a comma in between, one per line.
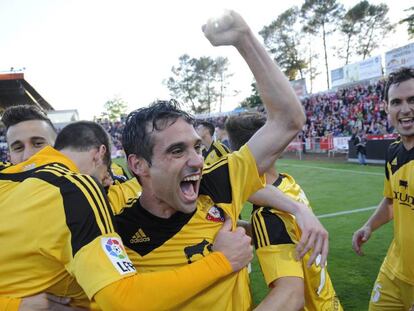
x=170, y=238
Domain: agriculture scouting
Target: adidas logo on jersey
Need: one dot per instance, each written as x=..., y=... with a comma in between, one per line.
x=139, y=237
x=394, y=162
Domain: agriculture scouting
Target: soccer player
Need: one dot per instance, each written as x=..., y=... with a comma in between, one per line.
x=182, y=206
x=394, y=286
x=28, y=131
x=213, y=149
x=68, y=246
x=275, y=233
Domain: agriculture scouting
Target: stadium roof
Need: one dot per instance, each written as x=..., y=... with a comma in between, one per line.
x=15, y=90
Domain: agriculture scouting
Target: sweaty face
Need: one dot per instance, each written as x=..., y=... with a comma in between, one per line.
x=28, y=137
x=400, y=108
x=176, y=167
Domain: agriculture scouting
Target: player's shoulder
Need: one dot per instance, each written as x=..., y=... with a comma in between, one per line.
x=61, y=176
x=4, y=165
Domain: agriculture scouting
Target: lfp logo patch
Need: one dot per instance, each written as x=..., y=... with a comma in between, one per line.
x=115, y=251
x=115, y=248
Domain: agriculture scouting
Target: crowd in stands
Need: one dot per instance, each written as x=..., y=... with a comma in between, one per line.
x=3, y=145
x=335, y=113
x=339, y=113
x=114, y=129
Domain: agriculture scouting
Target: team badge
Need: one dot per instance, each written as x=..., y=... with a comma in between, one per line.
x=215, y=214
x=115, y=251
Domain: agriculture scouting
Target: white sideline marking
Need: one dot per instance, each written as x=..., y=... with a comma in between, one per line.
x=347, y=212
x=333, y=169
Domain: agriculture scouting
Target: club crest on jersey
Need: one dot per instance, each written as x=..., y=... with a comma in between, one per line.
x=115, y=251
x=215, y=214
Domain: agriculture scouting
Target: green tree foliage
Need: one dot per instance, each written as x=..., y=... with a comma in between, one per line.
x=282, y=38
x=322, y=17
x=253, y=100
x=350, y=27
x=182, y=84
x=410, y=22
x=373, y=27
x=200, y=83
x=115, y=108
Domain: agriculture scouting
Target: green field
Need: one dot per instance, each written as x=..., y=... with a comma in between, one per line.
x=335, y=187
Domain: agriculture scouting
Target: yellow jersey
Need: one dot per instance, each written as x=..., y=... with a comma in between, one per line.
x=58, y=229
x=399, y=186
x=64, y=221
x=275, y=235
x=156, y=244
x=216, y=151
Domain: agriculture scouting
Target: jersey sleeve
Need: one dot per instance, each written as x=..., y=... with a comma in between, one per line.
x=244, y=177
x=387, y=192
x=231, y=180
x=274, y=240
x=9, y=304
x=163, y=290
x=100, y=260
x=123, y=195
x=91, y=249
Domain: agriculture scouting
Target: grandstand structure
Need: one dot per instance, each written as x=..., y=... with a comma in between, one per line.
x=15, y=90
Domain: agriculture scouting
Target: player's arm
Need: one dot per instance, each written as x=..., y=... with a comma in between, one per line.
x=285, y=116
x=105, y=273
x=286, y=294
x=39, y=302
x=382, y=215
x=274, y=240
x=314, y=235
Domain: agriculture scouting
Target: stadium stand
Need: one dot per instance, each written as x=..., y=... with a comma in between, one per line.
x=330, y=115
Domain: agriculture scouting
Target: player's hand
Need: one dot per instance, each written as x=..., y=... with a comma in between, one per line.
x=235, y=245
x=314, y=236
x=226, y=29
x=360, y=237
x=46, y=302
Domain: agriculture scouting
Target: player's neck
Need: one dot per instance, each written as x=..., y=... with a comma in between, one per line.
x=408, y=142
x=155, y=206
x=207, y=142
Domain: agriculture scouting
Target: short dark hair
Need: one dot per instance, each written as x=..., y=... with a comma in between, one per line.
x=401, y=75
x=15, y=114
x=241, y=128
x=142, y=122
x=207, y=125
x=83, y=136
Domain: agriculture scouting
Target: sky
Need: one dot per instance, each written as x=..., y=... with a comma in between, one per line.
x=80, y=53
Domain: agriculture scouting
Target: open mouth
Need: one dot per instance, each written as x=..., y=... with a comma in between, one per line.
x=406, y=122
x=189, y=187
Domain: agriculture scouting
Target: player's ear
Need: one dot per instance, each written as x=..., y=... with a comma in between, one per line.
x=385, y=106
x=138, y=165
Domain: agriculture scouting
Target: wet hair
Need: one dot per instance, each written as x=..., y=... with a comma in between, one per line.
x=141, y=123
x=84, y=136
x=20, y=113
x=241, y=128
x=208, y=126
x=401, y=75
